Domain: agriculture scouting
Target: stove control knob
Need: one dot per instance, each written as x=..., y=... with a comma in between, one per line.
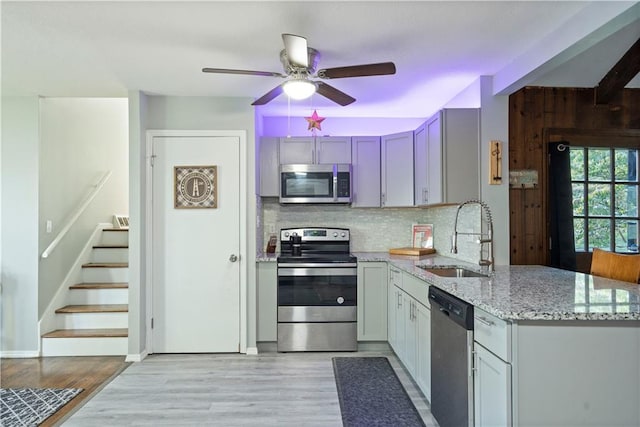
x=340, y=300
x=335, y=234
x=343, y=234
x=286, y=234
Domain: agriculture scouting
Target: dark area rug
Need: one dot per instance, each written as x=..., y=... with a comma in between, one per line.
x=31, y=406
x=371, y=394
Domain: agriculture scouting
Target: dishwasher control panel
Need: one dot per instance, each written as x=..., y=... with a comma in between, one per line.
x=457, y=310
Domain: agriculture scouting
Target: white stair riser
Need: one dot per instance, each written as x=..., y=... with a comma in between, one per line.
x=98, y=296
x=85, y=346
x=114, y=237
x=93, y=320
x=105, y=275
x=109, y=255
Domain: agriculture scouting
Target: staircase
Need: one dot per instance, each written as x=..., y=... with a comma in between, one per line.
x=95, y=320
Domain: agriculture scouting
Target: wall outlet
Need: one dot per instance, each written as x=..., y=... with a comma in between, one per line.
x=49, y=226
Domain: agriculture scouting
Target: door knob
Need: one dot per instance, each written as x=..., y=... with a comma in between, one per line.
x=233, y=258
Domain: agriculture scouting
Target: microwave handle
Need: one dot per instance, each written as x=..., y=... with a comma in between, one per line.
x=335, y=182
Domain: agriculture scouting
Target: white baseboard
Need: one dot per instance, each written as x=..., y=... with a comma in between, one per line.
x=252, y=351
x=136, y=357
x=18, y=354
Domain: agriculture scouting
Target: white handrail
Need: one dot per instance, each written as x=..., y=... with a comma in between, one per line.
x=77, y=214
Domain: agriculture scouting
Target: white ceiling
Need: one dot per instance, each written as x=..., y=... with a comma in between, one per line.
x=104, y=49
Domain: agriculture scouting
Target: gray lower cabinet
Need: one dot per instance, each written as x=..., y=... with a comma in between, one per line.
x=267, y=302
x=492, y=389
x=492, y=370
x=372, y=301
x=410, y=326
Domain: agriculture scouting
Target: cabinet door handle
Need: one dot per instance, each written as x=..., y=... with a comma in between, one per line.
x=485, y=321
x=383, y=199
x=425, y=195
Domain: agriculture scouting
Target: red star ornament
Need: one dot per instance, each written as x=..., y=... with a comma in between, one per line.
x=314, y=121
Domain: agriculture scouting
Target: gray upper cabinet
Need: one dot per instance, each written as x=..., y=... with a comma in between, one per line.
x=397, y=169
x=297, y=150
x=365, y=160
x=269, y=164
x=446, y=159
x=333, y=149
x=318, y=150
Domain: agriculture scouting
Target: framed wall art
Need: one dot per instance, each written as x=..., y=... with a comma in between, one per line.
x=423, y=236
x=195, y=187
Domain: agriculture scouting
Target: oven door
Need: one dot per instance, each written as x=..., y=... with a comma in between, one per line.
x=317, y=286
x=320, y=293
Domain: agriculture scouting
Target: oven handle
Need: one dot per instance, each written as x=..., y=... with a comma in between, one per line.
x=317, y=272
x=317, y=265
x=335, y=183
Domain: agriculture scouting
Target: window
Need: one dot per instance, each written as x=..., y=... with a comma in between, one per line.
x=605, y=198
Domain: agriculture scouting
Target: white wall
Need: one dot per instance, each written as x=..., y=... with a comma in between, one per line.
x=187, y=113
x=80, y=140
x=19, y=298
x=137, y=225
x=338, y=126
x=494, y=125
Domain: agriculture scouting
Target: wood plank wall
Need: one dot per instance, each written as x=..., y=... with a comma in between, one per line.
x=532, y=112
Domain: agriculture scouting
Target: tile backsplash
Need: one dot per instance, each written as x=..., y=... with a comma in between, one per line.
x=374, y=229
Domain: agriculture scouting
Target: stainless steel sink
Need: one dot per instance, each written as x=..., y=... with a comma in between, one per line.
x=452, y=271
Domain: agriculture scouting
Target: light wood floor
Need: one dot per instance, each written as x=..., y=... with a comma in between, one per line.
x=270, y=389
x=88, y=373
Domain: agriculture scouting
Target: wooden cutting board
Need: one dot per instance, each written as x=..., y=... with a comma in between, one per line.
x=412, y=251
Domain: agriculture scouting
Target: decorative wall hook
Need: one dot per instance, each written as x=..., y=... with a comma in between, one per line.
x=495, y=161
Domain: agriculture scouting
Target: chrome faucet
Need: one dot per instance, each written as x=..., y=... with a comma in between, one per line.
x=484, y=238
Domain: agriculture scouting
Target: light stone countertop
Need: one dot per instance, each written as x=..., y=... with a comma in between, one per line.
x=522, y=292
x=527, y=292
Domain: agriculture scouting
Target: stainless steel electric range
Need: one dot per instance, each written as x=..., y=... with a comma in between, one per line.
x=317, y=290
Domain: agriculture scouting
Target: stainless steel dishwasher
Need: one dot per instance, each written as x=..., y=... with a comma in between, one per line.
x=451, y=359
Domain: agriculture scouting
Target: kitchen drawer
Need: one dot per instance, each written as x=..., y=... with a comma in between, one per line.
x=493, y=333
x=395, y=277
x=418, y=289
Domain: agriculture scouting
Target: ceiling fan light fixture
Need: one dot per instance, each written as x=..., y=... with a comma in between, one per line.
x=299, y=88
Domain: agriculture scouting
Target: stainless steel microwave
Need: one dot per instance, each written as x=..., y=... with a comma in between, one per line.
x=315, y=183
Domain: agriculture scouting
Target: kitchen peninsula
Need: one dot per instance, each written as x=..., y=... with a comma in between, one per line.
x=551, y=347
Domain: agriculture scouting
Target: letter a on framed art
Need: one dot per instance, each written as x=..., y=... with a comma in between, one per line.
x=195, y=187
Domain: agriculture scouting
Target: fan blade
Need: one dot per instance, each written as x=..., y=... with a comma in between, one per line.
x=247, y=72
x=267, y=97
x=379, y=69
x=296, y=48
x=334, y=94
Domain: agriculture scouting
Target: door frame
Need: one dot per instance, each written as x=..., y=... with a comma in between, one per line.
x=148, y=285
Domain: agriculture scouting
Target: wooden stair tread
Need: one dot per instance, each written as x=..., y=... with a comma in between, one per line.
x=111, y=247
x=106, y=265
x=100, y=286
x=88, y=333
x=94, y=308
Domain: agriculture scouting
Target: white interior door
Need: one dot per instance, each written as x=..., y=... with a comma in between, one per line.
x=196, y=281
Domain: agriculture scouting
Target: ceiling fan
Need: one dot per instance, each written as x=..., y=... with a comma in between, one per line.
x=299, y=62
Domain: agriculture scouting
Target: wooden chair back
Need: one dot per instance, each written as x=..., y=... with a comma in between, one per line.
x=615, y=266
